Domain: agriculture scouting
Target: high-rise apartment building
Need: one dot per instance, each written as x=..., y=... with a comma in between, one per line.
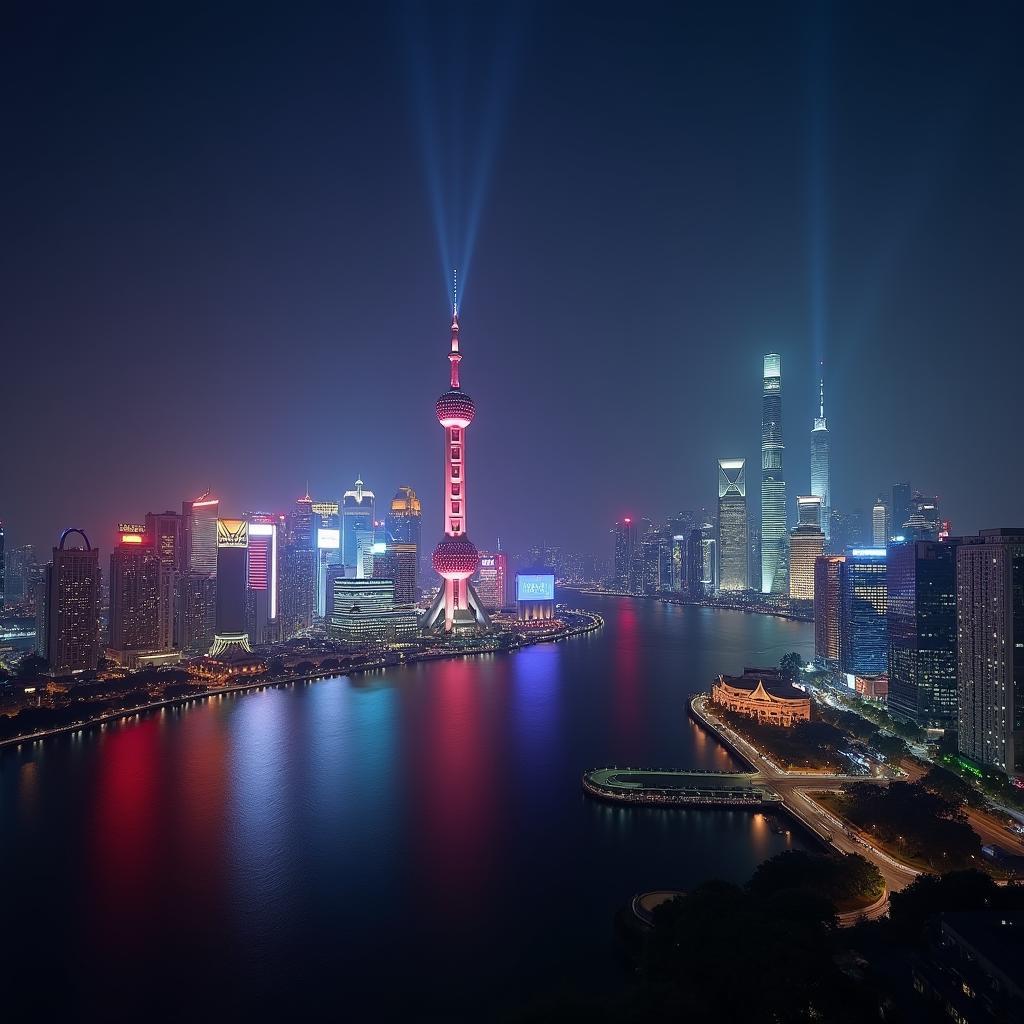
x=864, y=645
x=806, y=543
x=921, y=612
x=733, y=547
x=625, y=535
x=72, y=587
x=774, y=547
x=821, y=468
x=263, y=578
x=990, y=649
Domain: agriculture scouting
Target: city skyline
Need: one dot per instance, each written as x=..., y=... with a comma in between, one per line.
x=317, y=276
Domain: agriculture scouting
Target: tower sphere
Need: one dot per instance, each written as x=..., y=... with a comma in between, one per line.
x=455, y=409
x=455, y=558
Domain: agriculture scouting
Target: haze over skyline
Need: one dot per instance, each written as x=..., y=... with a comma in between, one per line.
x=226, y=218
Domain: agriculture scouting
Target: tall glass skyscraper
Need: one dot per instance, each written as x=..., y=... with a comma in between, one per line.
x=990, y=649
x=806, y=543
x=921, y=585
x=774, y=561
x=733, y=571
x=821, y=486
x=864, y=645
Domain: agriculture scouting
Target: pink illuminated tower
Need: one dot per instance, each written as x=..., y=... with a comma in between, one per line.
x=455, y=557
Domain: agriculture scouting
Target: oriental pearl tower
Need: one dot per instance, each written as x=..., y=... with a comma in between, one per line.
x=455, y=558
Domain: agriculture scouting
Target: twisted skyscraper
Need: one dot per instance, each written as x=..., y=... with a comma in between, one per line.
x=455, y=557
x=820, y=469
x=774, y=559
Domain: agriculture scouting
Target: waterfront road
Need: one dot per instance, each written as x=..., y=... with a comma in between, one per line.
x=796, y=789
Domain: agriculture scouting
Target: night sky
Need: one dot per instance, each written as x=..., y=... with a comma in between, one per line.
x=225, y=227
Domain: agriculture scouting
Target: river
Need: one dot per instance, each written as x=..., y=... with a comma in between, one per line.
x=412, y=842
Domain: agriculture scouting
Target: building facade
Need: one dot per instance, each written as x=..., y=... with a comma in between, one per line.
x=232, y=583
x=733, y=546
x=821, y=464
x=71, y=619
x=762, y=694
x=357, y=507
x=990, y=649
x=806, y=543
x=135, y=570
x=828, y=611
x=774, y=567
x=921, y=612
x=864, y=646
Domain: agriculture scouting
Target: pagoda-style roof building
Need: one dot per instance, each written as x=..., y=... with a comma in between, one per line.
x=764, y=694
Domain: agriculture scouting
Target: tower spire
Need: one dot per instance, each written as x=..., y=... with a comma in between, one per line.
x=455, y=292
x=821, y=391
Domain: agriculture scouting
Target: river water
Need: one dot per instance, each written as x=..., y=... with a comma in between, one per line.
x=412, y=843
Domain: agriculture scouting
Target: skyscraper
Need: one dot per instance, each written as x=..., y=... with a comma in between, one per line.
x=135, y=571
x=625, y=550
x=356, y=514
x=72, y=607
x=263, y=578
x=199, y=523
x=901, y=508
x=774, y=568
x=990, y=648
x=164, y=530
x=232, y=568
x=492, y=580
x=455, y=558
x=733, y=548
x=806, y=543
x=821, y=481
x=921, y=612
x=828, y=611
x=864, y=644
x=880, y=524
x=397, y=563
x=326, y=532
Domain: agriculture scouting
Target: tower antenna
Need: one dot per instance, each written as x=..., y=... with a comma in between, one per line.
x=455, y=291
x=821, y=391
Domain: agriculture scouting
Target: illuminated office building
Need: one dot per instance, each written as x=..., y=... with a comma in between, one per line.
x=709, y=564
x=397, y=562
x=990, y=649
x=678, y=563
x=625, y=551
x=806, y=543
x=865, y=634
x=164, y=530
x=821, y=468
x=198, y=603
x=300, y=522
x=199, y=525
x=535, y=596
x=774, y=546
x=356, y=516
x=491, y=580
x=733, y=547
x=828, y=611
x=134, y=595
x=364, y=612
x=263, y=579
x=327, y=540
x=403, y=525
x=879, y=524
x=901, y=507
x=455, y=558
x=72, y=589
x=232, y=583
x=921, y=612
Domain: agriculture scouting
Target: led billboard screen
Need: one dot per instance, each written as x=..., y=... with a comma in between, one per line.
x=535, y=588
